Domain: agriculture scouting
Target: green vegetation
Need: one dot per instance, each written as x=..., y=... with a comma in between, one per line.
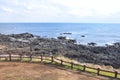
x=25, y=59
x=3, y=59
x=76, y=67
x=107, y=73
x=118, y=76
x=91, y=70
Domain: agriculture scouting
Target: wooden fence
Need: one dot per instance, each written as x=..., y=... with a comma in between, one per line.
x=54, y=60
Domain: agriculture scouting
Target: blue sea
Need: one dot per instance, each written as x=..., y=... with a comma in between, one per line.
x=100, y=33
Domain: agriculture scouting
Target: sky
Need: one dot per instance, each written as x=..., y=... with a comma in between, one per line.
x=76, y=11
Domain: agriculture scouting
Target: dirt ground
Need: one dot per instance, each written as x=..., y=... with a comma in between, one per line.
x=35, y=71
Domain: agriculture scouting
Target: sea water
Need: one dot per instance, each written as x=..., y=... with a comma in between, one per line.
x=100, y=33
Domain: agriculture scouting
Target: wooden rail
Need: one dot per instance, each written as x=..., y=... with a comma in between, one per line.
x=51, y=59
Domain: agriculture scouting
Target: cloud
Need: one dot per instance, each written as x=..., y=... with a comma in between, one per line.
x=60, y=10
x=90, y=7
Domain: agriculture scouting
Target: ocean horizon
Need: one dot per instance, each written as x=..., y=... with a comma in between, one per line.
x=100, y=33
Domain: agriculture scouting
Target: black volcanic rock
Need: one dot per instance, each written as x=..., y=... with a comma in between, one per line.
x=4, y=38
x=23, y=35
x=106, y=55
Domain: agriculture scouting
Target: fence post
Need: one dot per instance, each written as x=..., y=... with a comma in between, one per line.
x=41, y=58
x=9, y=56
x=52, y=59
x=30, y=57
x=116, y=73
x=61, y=62
x=20, y=57
x=98, y=71
x=84, y=67
x=72, y=65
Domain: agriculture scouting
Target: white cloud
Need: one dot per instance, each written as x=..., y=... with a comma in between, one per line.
x=8, y=10
x=91, y=7
x=62, y=10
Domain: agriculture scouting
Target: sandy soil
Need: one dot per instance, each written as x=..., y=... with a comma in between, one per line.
x=35, y=71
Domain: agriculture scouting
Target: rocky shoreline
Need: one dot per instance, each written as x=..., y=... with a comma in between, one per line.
x=102, y=55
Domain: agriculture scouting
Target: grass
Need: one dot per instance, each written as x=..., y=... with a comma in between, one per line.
x=46, y=61
x=36, y=60
x=107, y=74
x=118, y=76
x=2, y=59
x=91, y=70
x=25, y=59
x=76, y=67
